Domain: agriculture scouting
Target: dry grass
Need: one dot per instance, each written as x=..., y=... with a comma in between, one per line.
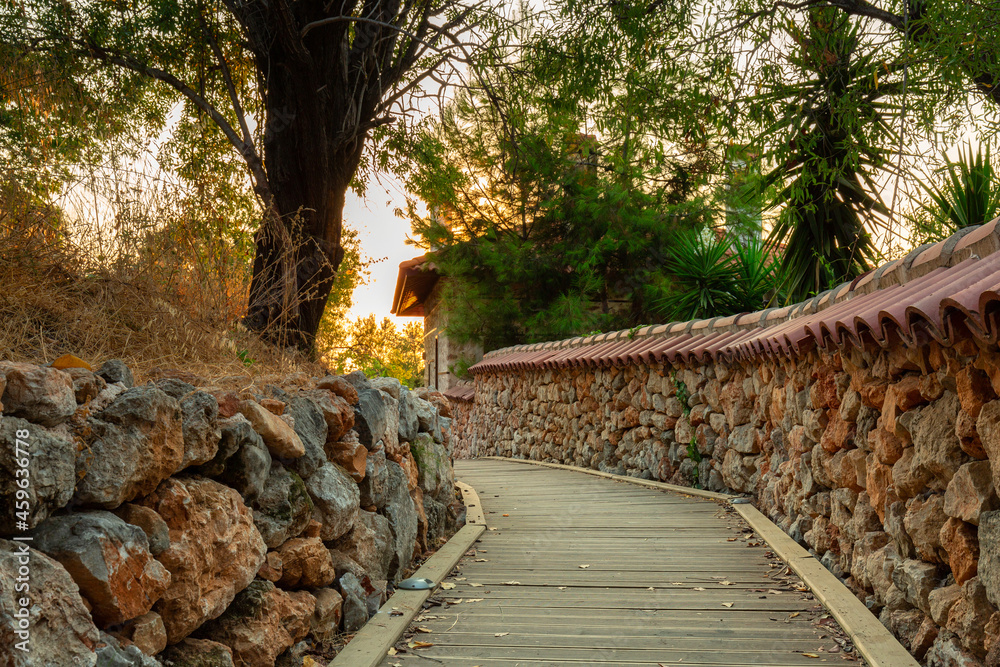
x=168, y=305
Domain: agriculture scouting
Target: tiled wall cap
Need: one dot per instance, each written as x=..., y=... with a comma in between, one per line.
x=886, y=268
x=842, y=291
x=951, y=243
x=930, y=258
x=659, y=330
x=980, y=233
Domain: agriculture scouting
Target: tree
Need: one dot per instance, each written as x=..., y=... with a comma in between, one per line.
x=544, y=230
x=380, y=349
x=297, y=88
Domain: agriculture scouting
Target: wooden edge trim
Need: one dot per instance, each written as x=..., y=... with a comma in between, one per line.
x=473, y=508
x=873, y=641
x=370, y=645
x=622, y=478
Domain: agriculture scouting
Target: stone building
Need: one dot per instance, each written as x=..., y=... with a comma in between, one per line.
x=418, y=294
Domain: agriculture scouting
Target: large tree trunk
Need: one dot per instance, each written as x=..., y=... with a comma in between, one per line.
x=310, y=160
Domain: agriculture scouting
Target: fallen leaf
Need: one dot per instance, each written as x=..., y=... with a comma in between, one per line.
x=698, y=588
x=726, y=583
x=562, y=588
x=512, y=583
x=419, y=644
x=676, y=583
x=793, y=615
x=391, y=651
x=474, y=600
x=506, y=515
x=501, y=634
x=810, y=655
x=423, y=629
x=650, y=589
x=459, y=578
x=584, y=567
x=727, y=604
x=482, y=560
x=476, y=585
x=447, y=585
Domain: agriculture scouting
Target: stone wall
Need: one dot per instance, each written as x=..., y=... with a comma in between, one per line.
x=205, y=527
x=883, y=463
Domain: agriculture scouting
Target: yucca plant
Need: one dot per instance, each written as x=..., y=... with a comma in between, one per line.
x=966, y=195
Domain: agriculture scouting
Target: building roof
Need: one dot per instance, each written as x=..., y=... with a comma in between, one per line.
x=414, y=283
x=944, y=291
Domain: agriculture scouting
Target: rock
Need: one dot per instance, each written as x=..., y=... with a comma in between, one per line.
x=924, y=638
x=344, y=563
x=284, y=509
x=916, y=579
x=936, y=447
x=106, y=397
x=923, y=521
x=742, y=439
x=175, y=388
x=134, y=444
x=215, y=551
x=960, y=541
x=280, y=438
x=417, y=496
x=326, y=617
x=369, y=416
x=112, y=653
x=885, y=445
x=115, y=370
x=409, y=424
x=340, y=387
x=193, y=652
x=409, y=466
x=51, y=464
x=437, y=518
x=390, y=437
x=337, y=413
x=909, y=478
x=109, y=560
x=261, y=623
x=273, y=568
x=435, y=398
x=989, y=554
x=969, y=616
x=965, y=429
x=387, y=385
x=988, y=427
x=305, y=563
x=427, y=417
x=974, y=389
x=350, y=455
x=247, y=465
x=58, y=628
x=905, y=624
x=86, y=385
x=947, y=651
x=273, y=405
x=200, y=428
x=146, y=632
x=402, y=516
x=39, y=394
x=310, y=426
x=433, y=465
x=374, y=487
x=941, y=600
x=335, y=498
x=229, y=403
x=970, y=492
x=370, y=544
x=355, y=605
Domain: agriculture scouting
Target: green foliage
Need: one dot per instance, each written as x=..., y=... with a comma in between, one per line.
x=460, y=368
x=966, y=194
x=716, y=275
x=379, y=349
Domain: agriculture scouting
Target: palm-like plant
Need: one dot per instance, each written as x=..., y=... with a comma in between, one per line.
x=967, y=195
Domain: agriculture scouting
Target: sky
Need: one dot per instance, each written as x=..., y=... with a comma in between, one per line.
x=383, y=238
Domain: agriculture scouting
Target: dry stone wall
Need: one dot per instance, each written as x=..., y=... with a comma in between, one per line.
x=167, y=524
x=883, y=463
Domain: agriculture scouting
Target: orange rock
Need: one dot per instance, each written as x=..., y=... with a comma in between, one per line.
x=229, y=403
x=418, y=503
x=279, y=437
x=410, y=468
x=313, y=529
x=961, y=542
x=878, y=484
x=351, y=455
x=340, y=387
x=273, y=405
x=272, y=568
x=146, y=632
x=885, y=445
x=838, y=434
x=306, y=563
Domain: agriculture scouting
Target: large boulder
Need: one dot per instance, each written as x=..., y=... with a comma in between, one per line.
x=409, y=425
x=936, y=447
x=971, y=492
x=370, y=544
x=369, y=416
x=193, y=652
x=50, y=455
x=133, y=444
x=56, y=629
x=336, y=411
x=402, y=516
x=109, y=560
x=149, y=522
x=305, y=563
x=200, y=427
x=284, y=508
x=112, y=653
x=261, y=623
x=281, y=439
x=37, y=393
x=242, y=461
x=375, y=485
x=435, y=474
x=989, y=554
x=349, y=454
x=335, y=498
x=215, y=551
x=310, y=426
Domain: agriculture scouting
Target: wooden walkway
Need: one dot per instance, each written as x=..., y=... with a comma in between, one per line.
x=579, y=570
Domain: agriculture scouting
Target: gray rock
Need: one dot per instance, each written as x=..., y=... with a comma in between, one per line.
x=51, y=457
x=369, y=544
x=390, y=437
x=433, y=465
x=193, y=652
x=357, y=380
x=115, y=370
x=402, y=516
x=310, y=426
x=113, y=654
x=437, y=520
x=149, y=522
x=60, y=629
x=937, y=449
x=335, y=498
x=134, y=444
x=355, y=602
x=39, y=394
x=916, y=579
x=947, y=651
x=387, y=385
x=369, y=416
x=86, y=385
x=427, y=417
x=284, y=508
x=409, y=425
x=343, y=563
x=247, y=468
x=895, y=517
x=374, y=487
x=109, y=560
x=174, y=388
x=200, y=427
x=326, y=618
x=989, y=554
